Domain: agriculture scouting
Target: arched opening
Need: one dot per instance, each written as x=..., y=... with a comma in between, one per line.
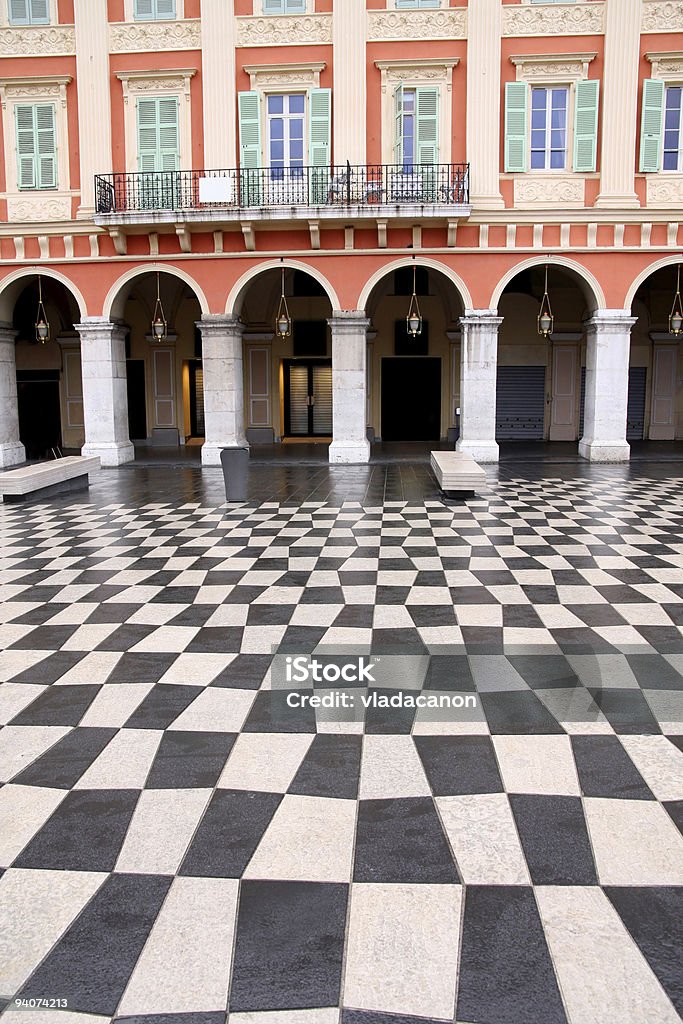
x=656, y=360
x=287, y=380
x=540, y=381
x=413, y=380
x=49, y=378
x=164, y=384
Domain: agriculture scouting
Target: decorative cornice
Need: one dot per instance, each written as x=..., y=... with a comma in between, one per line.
x=661, y=16
x=566, y=67
x=171, y=80
x=667, y=65
x=550, y=191
x=556, y=20
x=387, y=25
x=34, y=88
x=38, y=41
x=284, y=75
x=420, y=69
x=284, y=30
x=126, y=37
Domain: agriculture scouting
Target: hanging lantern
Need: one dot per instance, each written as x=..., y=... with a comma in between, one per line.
x=545, y=318
x=159, y=325
x=676, y=314
x=414, y=317
x=283, y=321
x=42, y=326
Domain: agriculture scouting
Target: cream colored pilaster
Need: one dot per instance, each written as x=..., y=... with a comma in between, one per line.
x=94, y=98
x=619, y=104
x=484, y=26
x=218, y=83
x=349, y=32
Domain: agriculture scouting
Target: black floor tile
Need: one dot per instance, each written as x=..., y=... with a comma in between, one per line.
x=605, y=769
x=554, y=837
x=331, y=768
x=141, y=667
x=402, y=841
x=289, y=945
x=456, y=765
x=190, y=760
x=63, y=764
x=60, y=705
x=232, y=827
x=162, y=705
x=517, y=712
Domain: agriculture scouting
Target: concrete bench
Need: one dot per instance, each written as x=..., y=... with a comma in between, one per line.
x=457, y=473
x=45, y=478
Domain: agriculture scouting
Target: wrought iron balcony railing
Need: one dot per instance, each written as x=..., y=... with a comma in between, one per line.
x=273, y=187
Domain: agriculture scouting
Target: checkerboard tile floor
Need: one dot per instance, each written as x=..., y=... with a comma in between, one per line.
x=175, y=850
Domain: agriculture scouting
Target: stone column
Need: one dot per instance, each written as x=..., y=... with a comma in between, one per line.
x=223, y=386
x=484, y=30
x=94, y=98
x=608, y=345
x=349, y=30
x=349, y=387
x=478, y=364
x=105, y=395
x=619, y=102
x=12, y=451
x=218, y=84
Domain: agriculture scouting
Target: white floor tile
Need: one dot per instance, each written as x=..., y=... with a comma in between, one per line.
x=217, y=709
x=390, y=767
x=265, y=762
x=20, y=745
x=484, y=840
x=23, y=812
x=161, y=830
x=542, y=764
x=125, y=761
x=635, y=842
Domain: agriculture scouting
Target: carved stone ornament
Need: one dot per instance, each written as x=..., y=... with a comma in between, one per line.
x=154, y=36
x=35, y=89
x=535, y=69
x=549, y=191
x=554, y=20
x=37, y=41
x=450, y=24
x=38, y=208
x=662, y=16
x=665, y=190
x=667, y=65
x=284, y=30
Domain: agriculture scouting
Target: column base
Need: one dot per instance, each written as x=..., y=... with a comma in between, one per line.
x=349, y=454
x=597, y=451
x=628, y=201
x=481, y=451
x=115, y=453
x=12, y=454
x=211, y=453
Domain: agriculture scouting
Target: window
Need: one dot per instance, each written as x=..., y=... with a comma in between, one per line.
x=413, y=4
x=673, y=129
x=36, y=146
x=548, y=129
x=539, y=140
x=29, y=12
x=158, y=134
x=284, y=6
x=154, y=10
x=285, y=116
x=416, y=139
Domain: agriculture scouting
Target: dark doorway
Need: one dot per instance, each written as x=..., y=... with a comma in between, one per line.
x=308, y=398
x=411, y=399
x=137, y=409
x=197, y=427
x=40, y=418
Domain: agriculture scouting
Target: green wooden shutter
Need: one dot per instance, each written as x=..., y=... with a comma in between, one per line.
x=398, y=128
x=320, y=142
x=46, y=146
x=144, y=10
x=651, y=126
x=40, y=12
x=248, y=105
x=18, y=12
x=26, y=146
x=586, y=125
x=427, y=125
x=165, y=9
x=516, y=145
x=169, y=135
x=149, y=158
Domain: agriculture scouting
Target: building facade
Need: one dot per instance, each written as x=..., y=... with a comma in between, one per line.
x=177, y=173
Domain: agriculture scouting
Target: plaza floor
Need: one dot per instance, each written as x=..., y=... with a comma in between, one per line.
x=179, y=846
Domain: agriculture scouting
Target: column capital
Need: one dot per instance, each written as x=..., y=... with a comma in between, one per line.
x=220, y=324
x=610, y=321
x=8, y=333
x=99, y=327
x=348, y=321
x=480, y=318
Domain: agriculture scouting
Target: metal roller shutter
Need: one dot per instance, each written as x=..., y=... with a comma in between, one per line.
x=520, y=403
x=322, y=392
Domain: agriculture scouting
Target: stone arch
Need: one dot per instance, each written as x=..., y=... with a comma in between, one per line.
x=117, y=295
x=233, y=306
x=420, y=261
x=12, y=286
x=666, y=261
x=593, y=292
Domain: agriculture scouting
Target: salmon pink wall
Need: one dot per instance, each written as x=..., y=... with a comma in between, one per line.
x=65, y=12
x=116, y=10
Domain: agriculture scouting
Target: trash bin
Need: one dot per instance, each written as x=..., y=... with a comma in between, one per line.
x=235, y=463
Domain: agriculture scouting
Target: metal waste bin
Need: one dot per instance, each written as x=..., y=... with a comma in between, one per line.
x=235, y=463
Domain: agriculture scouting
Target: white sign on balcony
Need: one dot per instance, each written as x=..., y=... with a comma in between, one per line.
x=216, y=190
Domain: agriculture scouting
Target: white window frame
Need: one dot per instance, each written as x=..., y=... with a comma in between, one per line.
x=287, y=118
x=679, y=166
x=434, y=72
x=5, y=22
x=19, y=92
x=129, y=14
x=280, y=79
x=569, y=107
x=260, y=13
x=435, y=5
x=151, y=84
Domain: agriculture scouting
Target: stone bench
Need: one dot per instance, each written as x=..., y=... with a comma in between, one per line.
x=457, y=473
x=45, y=478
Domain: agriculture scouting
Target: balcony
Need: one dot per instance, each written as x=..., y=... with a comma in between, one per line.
x=343, y=193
